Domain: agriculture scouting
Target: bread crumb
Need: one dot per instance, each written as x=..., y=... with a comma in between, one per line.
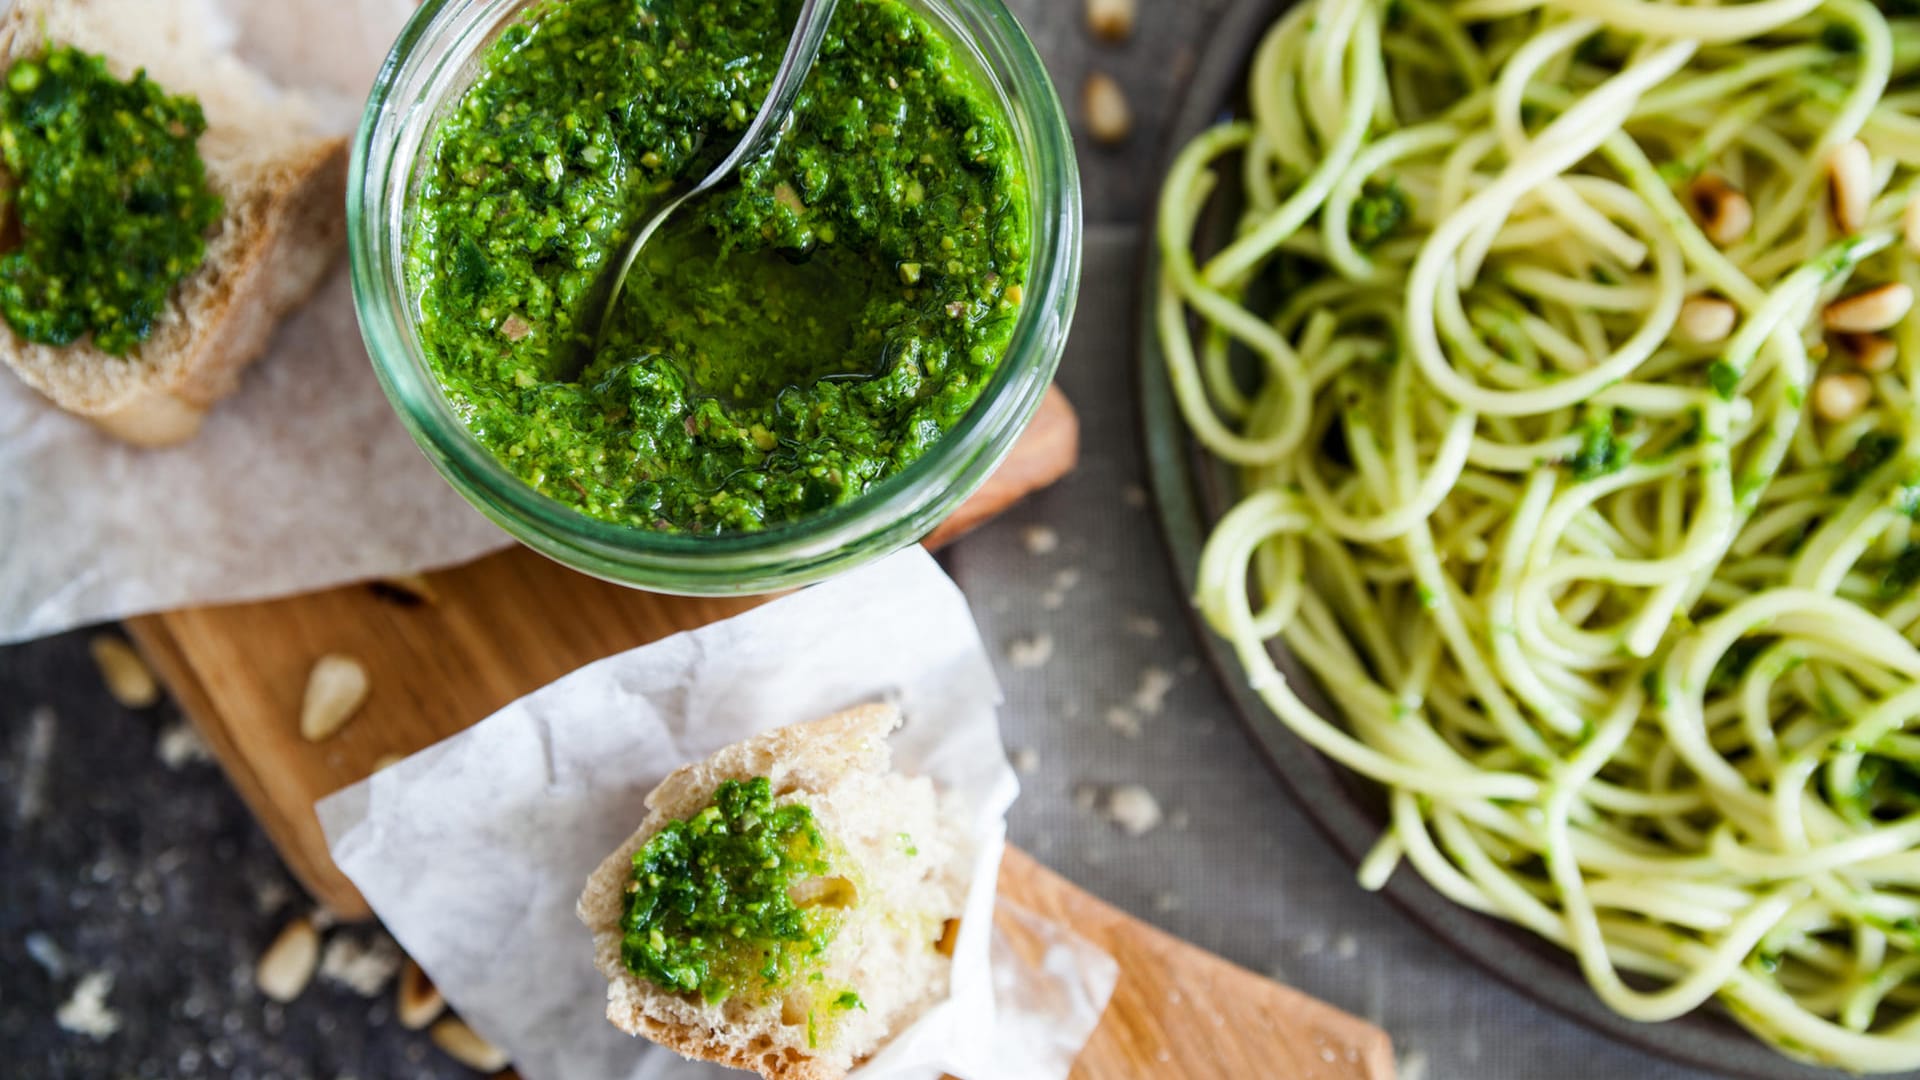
x=85, y=1012
x=1413, y=1066
x=1151, y=696
x=1027, y=653
x=1346, y=947
x=1025, y=760
x=180, y=745
x=363, y=965
x=1040, y=540
x=1134, y=809
x=1123, y=720
x=1145, y=626
x=1055, y=598
x=1168, y=901
x=1085, y=798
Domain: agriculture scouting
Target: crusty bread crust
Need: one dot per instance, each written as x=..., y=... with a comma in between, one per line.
x=283, y=228
x=822, y=756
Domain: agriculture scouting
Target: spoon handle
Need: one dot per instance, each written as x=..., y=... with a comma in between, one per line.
x=809, y=30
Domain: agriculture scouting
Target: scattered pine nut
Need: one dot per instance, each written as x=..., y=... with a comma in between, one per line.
x=1724, y=214
x=127, y=676
x=1872, y=353
x=1870, y=310
x=1110, y=20
x=1109, y=117
x=287, y=966
x=1841, y=396
x=417, y=1002
x=386, y=761
x=335, y=691
x=464, y=1045
x=1850, y=185
x=1707, y=319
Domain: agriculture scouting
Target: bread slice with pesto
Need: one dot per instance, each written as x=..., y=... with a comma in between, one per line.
x=787, y=906
x=281, y=179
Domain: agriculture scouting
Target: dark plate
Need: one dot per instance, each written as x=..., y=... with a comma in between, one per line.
x=1192, y=491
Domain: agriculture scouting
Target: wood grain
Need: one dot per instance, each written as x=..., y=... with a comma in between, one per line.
x=1180, y=1013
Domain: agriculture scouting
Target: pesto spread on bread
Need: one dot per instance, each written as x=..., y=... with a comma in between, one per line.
x=731, y=901
x=108, y=195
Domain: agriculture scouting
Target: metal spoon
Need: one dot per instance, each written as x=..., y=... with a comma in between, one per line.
x=808, y=32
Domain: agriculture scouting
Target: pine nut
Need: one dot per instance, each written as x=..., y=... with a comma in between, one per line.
x=386, y=761
x=1869, y=311
x=1109, y=117
x=1110, y=20
x=287, y=966
x=1724, y=214
x=1850, y=185
x=128, y=679
x=1872, y=353
x=1841, y=396
x=335, y=691
x=1707, y=319
x=418, y=1002
x=464, y=1045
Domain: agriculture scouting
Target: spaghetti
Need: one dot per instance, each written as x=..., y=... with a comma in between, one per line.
x=1561, y=348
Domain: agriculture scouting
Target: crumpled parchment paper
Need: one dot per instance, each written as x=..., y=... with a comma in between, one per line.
x=474, y=851
x=303, y=480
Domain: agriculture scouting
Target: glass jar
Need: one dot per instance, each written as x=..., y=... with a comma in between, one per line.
x=432, y=65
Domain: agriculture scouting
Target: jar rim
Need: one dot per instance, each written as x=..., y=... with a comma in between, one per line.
x=429, y=59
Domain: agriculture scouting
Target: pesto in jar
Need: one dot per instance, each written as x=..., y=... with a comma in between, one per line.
x=712, y=906
x=110, y=197
x=787, y=341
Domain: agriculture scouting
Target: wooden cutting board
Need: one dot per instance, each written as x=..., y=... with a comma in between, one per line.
x=505, y=625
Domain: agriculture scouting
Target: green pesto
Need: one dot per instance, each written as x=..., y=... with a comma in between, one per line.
x=1873, y=450
x=710, y=909
x=786, y=343
x=1379, y=212
x=1602, y=451
x=110, y=197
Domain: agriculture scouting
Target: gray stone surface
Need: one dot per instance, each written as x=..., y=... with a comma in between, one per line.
x=156, y=875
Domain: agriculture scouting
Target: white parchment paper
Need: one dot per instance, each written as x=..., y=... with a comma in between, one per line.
x=303, y=480
x=474, y=851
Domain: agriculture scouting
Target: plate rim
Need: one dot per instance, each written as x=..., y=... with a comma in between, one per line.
x=1537, y=970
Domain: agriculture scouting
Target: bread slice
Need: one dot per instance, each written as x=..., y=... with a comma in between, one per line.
x=284, y=185
x=908, y=858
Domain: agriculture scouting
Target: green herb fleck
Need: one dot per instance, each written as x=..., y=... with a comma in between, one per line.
x=1725, y=379
x=1602, y=451
x=849, y=1000
x=1874, y=449
x=1378, y=213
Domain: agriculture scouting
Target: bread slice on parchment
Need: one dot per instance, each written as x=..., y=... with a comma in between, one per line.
x=283, y=181
x=907, y=858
